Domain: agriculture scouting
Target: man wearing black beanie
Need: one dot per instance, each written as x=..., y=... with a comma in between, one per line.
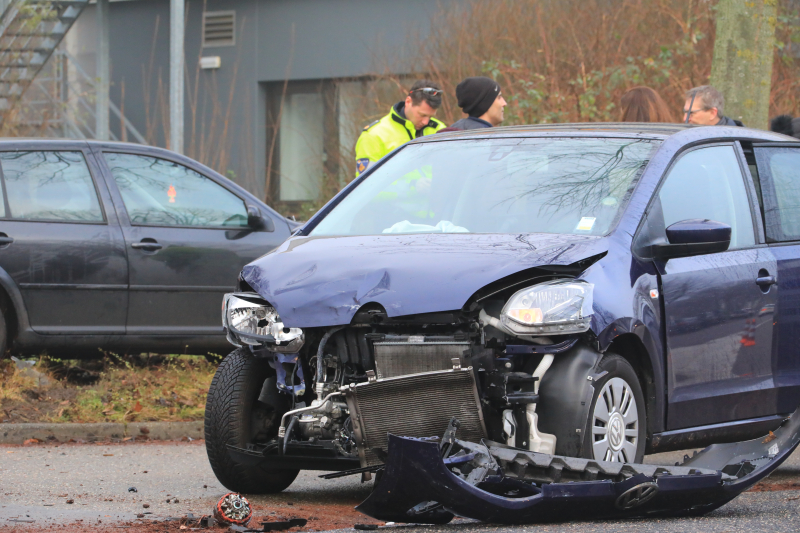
x=480, y=98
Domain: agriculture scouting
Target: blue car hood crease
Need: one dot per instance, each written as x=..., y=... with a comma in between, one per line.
x=323, y=281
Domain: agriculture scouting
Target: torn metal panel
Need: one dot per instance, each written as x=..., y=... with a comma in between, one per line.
x=496, y=483
x=314, y=282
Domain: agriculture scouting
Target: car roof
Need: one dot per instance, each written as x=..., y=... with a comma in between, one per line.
x=650, y=130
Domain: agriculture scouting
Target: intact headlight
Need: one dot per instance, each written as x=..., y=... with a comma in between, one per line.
x=249, y=319
x=554, y=307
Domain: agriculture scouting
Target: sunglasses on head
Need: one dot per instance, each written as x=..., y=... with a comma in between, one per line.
x=430, y=91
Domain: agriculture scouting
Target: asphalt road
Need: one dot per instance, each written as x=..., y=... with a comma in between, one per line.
x=37, y=481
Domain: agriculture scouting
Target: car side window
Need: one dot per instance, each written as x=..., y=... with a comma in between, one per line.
x=158, y=192
x=50, y=186
x=780, y=175
x=708, y=184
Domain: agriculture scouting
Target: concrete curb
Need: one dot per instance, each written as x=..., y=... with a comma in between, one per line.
x=19, y=433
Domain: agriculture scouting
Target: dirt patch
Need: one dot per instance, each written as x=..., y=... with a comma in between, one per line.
x=320, y=517
x=112, y=389
x=766, y=486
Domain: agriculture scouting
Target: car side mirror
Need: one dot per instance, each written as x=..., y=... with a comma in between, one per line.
x=257, y=221
x=694, y=237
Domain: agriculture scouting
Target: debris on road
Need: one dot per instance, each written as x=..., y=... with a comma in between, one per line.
x=283, y=525
x=271, y=526
x=132, y=489
x=233, y=509
x=190, y=521
x=496, y=483
x=366, y=527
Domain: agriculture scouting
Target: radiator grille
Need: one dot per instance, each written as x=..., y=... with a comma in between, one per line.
x=414, y=406
x=394, y=359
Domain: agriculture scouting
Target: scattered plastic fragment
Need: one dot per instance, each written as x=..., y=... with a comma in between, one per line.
x=190, y=521
x=233, y=509
x=281, y=526
x=132, y=489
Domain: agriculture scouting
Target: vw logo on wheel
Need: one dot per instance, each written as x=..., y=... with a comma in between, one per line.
x=636, y=496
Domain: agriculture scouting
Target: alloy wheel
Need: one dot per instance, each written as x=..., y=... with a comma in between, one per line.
x=615, y=423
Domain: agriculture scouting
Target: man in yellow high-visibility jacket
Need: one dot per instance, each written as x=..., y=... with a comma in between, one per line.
x=407, y=120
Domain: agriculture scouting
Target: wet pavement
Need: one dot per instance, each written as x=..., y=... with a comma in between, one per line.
x=37, y=482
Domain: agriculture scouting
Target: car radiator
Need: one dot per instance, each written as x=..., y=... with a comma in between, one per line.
x=404, y=355
x=419, y=405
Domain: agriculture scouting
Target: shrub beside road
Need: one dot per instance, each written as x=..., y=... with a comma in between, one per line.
x=112, y=389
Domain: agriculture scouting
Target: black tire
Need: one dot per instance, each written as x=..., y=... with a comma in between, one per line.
x=235, y=416
x=621, y=437
x=3, y=330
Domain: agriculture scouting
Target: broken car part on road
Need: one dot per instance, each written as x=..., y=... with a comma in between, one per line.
x=559, y=290
x=233, y=509
x=496, y=483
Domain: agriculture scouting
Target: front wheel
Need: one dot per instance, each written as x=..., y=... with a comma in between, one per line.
x=617, y=426
x=235, y=416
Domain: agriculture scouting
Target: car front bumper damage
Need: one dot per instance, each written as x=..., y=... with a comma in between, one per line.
x=495, y=483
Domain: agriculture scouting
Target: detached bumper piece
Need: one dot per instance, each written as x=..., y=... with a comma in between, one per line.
x=495, y=483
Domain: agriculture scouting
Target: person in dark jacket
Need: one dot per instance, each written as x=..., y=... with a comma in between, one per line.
x=786, y=124
x=704, y=107
x=481, y=99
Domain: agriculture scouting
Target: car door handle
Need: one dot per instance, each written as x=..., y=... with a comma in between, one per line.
x=766, y=281
x=6, y=240
x=147, y=246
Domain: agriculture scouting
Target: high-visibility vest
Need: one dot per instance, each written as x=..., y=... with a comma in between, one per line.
x=386, y=134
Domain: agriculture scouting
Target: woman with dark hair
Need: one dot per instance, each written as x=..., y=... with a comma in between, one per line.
x=643, y=104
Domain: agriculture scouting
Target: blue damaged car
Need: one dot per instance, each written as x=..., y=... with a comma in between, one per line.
x=576, y=293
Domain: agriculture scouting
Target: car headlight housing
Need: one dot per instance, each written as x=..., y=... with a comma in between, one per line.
x=556, y=307
x=249, y=319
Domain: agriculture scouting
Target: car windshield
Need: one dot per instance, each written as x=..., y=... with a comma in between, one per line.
x=532, y=185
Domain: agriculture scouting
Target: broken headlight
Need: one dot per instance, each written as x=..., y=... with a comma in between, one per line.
x=248, y=319
x=554, y=307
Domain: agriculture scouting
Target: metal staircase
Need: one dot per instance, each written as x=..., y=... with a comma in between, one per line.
x=30, y=31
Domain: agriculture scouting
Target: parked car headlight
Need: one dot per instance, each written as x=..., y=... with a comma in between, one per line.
x=249, y=319
x=554, y=307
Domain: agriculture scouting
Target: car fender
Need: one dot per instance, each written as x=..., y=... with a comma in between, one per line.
x=15, y=299
x=649, y=354
x=565, y=397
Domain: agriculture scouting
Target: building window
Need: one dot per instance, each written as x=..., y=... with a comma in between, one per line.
x=219, y=28
x=313, y=126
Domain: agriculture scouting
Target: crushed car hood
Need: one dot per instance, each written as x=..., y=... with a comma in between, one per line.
x=322, y=281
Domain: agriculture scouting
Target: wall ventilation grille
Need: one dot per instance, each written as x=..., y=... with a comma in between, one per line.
x=219, y=28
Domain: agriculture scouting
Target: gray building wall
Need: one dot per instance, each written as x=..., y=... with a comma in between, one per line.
x=275, y=40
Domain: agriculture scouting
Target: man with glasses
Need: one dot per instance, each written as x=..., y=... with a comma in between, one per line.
x=704, y=107
x=407, y=120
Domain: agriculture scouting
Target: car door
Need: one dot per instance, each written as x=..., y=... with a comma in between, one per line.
x=60, y=240
x=718, y=320
x=187, y=237
x=778, y=171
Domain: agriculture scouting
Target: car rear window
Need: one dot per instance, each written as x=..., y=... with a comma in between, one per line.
x=50, y=186
x=532, y=185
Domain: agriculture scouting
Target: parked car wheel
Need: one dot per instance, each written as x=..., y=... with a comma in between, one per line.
x=617, y=425
x=3, y=332
x=235, y=415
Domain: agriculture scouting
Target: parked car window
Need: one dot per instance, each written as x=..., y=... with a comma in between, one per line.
x=53, y=186
x=158, y=192
x=708, y=183
x=782, y=167
x=564, y=185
